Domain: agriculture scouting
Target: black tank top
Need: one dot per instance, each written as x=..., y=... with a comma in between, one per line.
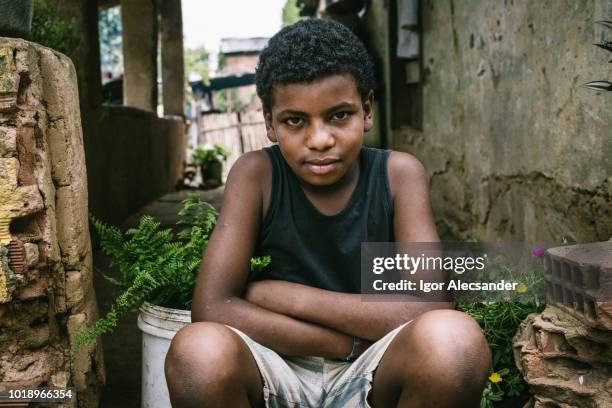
x=320, y=250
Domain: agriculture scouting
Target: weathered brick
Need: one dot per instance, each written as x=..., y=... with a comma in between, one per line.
x=565, y=361
x=34, y=290
x=9, y=80
x=17, y=256
x=579, y=280
x=82, y=362
x=72, y=225
x=36, y=337
x=555, y=343
x=60, y=379
x=32, y=254
x=8, y=141
x=74, y=289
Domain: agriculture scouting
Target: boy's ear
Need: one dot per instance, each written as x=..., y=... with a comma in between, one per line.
x=270, y=132
x=368, y=112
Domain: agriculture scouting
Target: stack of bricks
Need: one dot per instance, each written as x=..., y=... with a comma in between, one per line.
x=565, y=353
x=46, y=291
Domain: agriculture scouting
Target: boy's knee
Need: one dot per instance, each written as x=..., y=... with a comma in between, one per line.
x=450, y=325
x=203, y=353
x=451, y=348
x=205, y=343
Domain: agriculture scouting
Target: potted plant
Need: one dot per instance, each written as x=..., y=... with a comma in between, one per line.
x=210, y=159
x=158, y=273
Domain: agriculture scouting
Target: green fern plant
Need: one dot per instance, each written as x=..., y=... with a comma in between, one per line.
x=155, y=266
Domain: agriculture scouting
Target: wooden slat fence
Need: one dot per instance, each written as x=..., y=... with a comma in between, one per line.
x=238, y=133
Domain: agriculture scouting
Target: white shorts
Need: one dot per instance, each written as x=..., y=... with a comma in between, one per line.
x=317, y=381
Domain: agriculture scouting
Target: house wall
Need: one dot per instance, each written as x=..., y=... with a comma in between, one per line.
x=120, y=139
x=515, y=148
x=242, y=63
x=238, y=64
x=372, y=30
x=375, y=22
x=132, y=158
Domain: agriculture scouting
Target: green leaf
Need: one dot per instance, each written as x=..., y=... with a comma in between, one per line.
x=155, y=265
x=599, y=85
x=604, y=23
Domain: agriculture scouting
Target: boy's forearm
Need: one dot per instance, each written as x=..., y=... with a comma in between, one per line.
x=281, y=333
x=369, y=320
x=344, y=312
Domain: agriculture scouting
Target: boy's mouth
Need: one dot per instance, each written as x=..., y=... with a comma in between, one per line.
x=321, y=166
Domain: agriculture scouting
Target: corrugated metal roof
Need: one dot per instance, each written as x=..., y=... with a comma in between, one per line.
x=239, y=45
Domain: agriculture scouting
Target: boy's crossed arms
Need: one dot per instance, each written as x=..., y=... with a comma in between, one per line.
x=343, y=312
x=298, y=320
x=291, y=318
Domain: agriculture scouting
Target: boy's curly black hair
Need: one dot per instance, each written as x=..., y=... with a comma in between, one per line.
x=309, y=50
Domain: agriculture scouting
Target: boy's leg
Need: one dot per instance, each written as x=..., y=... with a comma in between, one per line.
x=440, y=360
x=209, y=365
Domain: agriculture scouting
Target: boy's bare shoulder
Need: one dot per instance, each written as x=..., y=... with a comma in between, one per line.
x=252, y=171
x=409, y=184
x=404, y=170
x=255, y=160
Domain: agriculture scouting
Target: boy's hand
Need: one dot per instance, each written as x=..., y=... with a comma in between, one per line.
x=362, y=347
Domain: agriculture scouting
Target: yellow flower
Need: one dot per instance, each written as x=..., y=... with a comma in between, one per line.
x=495, y=378
x=521, y=288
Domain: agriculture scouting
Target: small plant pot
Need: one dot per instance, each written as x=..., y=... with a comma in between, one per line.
x=212, y=173
x=158, y=325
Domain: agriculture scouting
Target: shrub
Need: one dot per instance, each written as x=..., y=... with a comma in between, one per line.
x=50, y=29
x=155, y=266
x=500, y=319
x=209, y=154
x=500, y=322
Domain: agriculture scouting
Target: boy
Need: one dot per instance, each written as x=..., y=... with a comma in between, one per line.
x=299, y=335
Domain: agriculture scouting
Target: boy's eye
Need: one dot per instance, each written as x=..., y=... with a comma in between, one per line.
x=294, y=121
x=341, y=115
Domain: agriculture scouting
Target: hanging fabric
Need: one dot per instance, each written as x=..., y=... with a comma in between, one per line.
x=407, y=29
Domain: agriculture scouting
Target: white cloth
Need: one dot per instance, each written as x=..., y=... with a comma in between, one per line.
x=407, y=29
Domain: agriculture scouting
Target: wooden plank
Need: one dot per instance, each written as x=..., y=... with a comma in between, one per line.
x=254, y=131
x=222, y=129
x=237, y=137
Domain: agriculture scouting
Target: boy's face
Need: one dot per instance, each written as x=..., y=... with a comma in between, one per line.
x=319, y=127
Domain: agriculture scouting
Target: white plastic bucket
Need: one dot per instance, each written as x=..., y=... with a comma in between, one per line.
x=158, y=325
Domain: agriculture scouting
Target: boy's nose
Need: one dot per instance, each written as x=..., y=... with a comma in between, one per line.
x=320, y=138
